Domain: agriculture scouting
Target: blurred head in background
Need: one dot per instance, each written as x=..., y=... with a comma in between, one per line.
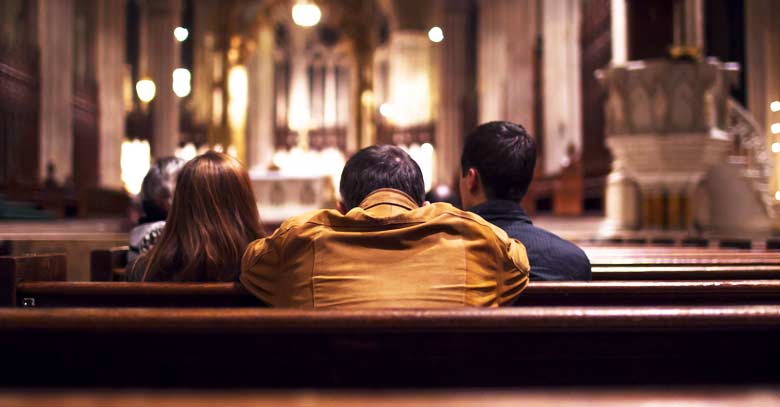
x=158, y=187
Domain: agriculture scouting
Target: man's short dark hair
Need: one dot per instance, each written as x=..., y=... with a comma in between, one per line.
x=379, y=167
x=504, y=155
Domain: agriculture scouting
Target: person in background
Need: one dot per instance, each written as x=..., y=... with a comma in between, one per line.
x=156, y=197
x=211, y=221
x=385, y=247
x=497, y=166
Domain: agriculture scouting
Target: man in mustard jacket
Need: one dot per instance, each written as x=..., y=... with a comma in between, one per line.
x=385, y=248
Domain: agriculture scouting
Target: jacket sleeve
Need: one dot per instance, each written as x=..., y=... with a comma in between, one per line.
x=515, y=272
x=261, y=267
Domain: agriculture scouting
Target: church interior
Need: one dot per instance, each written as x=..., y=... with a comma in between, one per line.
x=657, y=133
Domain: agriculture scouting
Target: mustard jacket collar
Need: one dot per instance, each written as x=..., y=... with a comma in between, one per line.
x=388, y=196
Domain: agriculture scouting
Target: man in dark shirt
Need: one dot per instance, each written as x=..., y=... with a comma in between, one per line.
x=497, y=166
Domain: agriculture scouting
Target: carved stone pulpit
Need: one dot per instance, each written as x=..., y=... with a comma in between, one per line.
x=664, y=124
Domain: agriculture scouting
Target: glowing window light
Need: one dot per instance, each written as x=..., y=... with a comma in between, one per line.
x=775, y=106
x=436, y=34
x=775, y=128
x=186, y=152
x=181, y=33
x=146, y=89
x=134, y=163
x=306, y=14
x=181, y=82
x=238, y=84
x=776, y=147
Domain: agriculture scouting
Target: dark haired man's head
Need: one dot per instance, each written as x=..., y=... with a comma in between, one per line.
x=157, y=188
x=497, y=163
x=379, y=167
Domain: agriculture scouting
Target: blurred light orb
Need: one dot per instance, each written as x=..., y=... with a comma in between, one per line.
x=181, y=34
x=182, y=82
x=443, y=191
x=146, y=89
x=386, y=110
x=436, y=34
x=777, y=196
x=776, y=147
x=775, y=128
x=775, y=106
x=306, y=14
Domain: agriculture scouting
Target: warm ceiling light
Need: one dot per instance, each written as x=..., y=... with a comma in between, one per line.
x=146, y=90
x=181, y=33
x=182, y=82
x=775, y=106
x=306, y=14
x=436, y=34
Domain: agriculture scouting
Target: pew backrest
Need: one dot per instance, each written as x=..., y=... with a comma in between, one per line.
x=33, y=267
x=253, y=347
x=116, y=294
x=108, y=264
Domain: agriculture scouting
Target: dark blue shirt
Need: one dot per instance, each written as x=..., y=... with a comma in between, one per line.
x=551, y=258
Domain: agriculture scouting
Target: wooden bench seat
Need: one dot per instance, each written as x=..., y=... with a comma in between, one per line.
x=119, y=294
x=525, y=346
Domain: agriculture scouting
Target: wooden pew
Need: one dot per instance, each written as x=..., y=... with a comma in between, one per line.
x=256, y=348
x=597, y=293
x=108, y=264
x=34, y=267
x=666, y=397
x=656, y=263
x=608, y=263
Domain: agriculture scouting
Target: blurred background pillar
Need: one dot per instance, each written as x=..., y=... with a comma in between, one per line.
x=455, y=78
x=110, y=75
x=55, y=39
x=260, y=119
x=163, y=56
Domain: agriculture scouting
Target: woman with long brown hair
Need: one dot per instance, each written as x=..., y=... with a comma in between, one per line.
x=211, y=221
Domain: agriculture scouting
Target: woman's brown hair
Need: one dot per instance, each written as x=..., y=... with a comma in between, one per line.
x=212, y=220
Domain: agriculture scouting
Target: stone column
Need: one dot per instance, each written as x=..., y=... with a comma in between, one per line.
x=260, y=115
x=110, y=72
x=204, y=41
x=55, y=39
x=299, y=112
x=453, y=71
x=163, y=56
x=619, y=31
x=505, y=61
x=562, y=84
